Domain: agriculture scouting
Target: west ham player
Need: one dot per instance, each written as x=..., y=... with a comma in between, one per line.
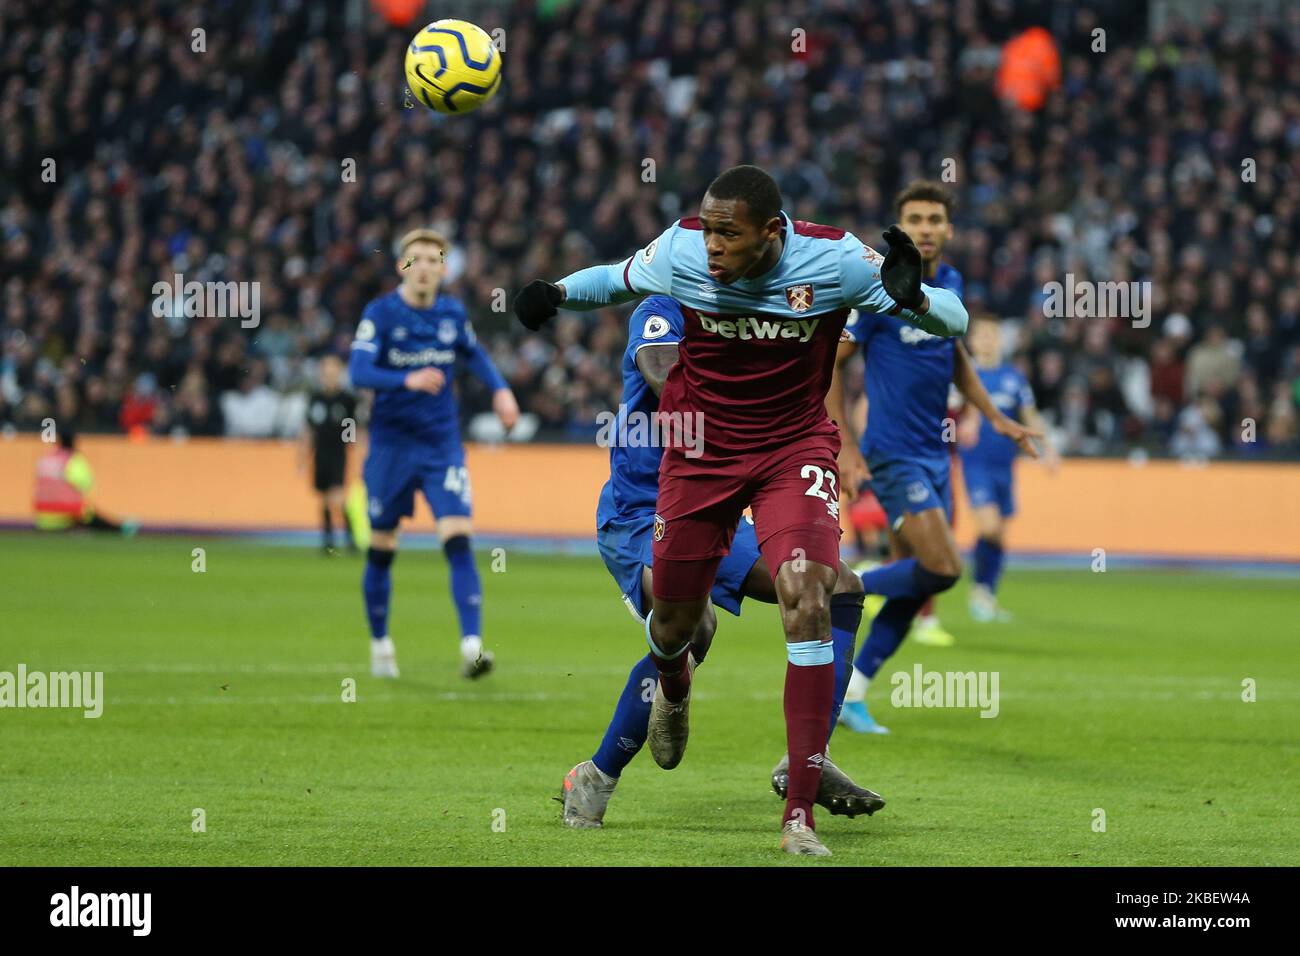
x=624, y=531
x=408, y=346
x=764, y=299
x=906, y=449
x=987, y=461
x=323, y=440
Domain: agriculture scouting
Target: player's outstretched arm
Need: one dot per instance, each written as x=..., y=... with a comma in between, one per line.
x=646, y=272
x=539, y=301
x=892, y=284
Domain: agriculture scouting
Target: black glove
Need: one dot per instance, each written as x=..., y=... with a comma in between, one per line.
x=536, y=303
x=901, y=270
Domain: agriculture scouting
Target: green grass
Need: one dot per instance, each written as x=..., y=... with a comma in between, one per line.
x=1119, y=691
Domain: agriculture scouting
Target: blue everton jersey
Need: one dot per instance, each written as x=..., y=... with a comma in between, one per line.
x=1012, y=395
x=403, y=338
x=908, y=372
x=634, y=471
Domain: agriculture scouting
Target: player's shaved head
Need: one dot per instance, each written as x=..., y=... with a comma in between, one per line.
x=740, y=219
x=753, y=187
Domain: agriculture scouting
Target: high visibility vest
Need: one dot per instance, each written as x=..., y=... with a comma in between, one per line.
x=54, y=493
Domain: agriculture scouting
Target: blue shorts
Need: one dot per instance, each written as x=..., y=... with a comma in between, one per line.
x=628, y=545
x=907, y=485
x=393, y=473
x=989, y=484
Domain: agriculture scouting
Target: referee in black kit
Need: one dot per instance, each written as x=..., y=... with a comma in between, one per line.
x=330, y=427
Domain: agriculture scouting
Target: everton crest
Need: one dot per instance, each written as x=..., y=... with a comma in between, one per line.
x=799, y=297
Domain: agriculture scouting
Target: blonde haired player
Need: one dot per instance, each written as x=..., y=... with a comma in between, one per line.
x=408, y=347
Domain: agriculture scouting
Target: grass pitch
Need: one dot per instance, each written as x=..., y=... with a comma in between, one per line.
x=1120, y=692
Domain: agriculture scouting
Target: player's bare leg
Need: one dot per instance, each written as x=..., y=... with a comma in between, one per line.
x=983, y=603
x=376, y=587
x=836, y=791
x=804, y=591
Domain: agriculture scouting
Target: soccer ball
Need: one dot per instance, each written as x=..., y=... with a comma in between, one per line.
x=452, y=66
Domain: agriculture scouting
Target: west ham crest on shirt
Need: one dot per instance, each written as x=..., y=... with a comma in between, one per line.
x=660, y=527
x=799, y=297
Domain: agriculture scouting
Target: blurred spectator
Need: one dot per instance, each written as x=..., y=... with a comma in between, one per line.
x=226, y=167
x=1196, y=436
x=1212, y=365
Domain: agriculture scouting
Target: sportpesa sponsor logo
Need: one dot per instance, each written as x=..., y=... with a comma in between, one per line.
x=397, y=358
x=753, y=327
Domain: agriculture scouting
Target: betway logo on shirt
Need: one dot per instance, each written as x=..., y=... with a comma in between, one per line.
x=397, y=358
x=753, y=327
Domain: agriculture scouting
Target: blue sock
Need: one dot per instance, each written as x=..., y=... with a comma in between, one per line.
x=465, y=588
x=846, y=616
x=627, y=729
x=995, y=564
x=376, y=588
x=905, y=579
x=888, y=628
x=983, y=562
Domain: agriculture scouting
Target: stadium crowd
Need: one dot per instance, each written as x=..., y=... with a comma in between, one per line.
x=128, y=155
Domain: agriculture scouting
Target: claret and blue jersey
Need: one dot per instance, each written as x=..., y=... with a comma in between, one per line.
x=757, y=353
x=415, y=436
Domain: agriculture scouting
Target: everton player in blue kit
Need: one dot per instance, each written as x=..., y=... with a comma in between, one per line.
x=987, y=460
x=906, y=447
x=408, y=347
x=625, y=523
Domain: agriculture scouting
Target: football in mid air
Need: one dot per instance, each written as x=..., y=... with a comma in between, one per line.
x=452, y=66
